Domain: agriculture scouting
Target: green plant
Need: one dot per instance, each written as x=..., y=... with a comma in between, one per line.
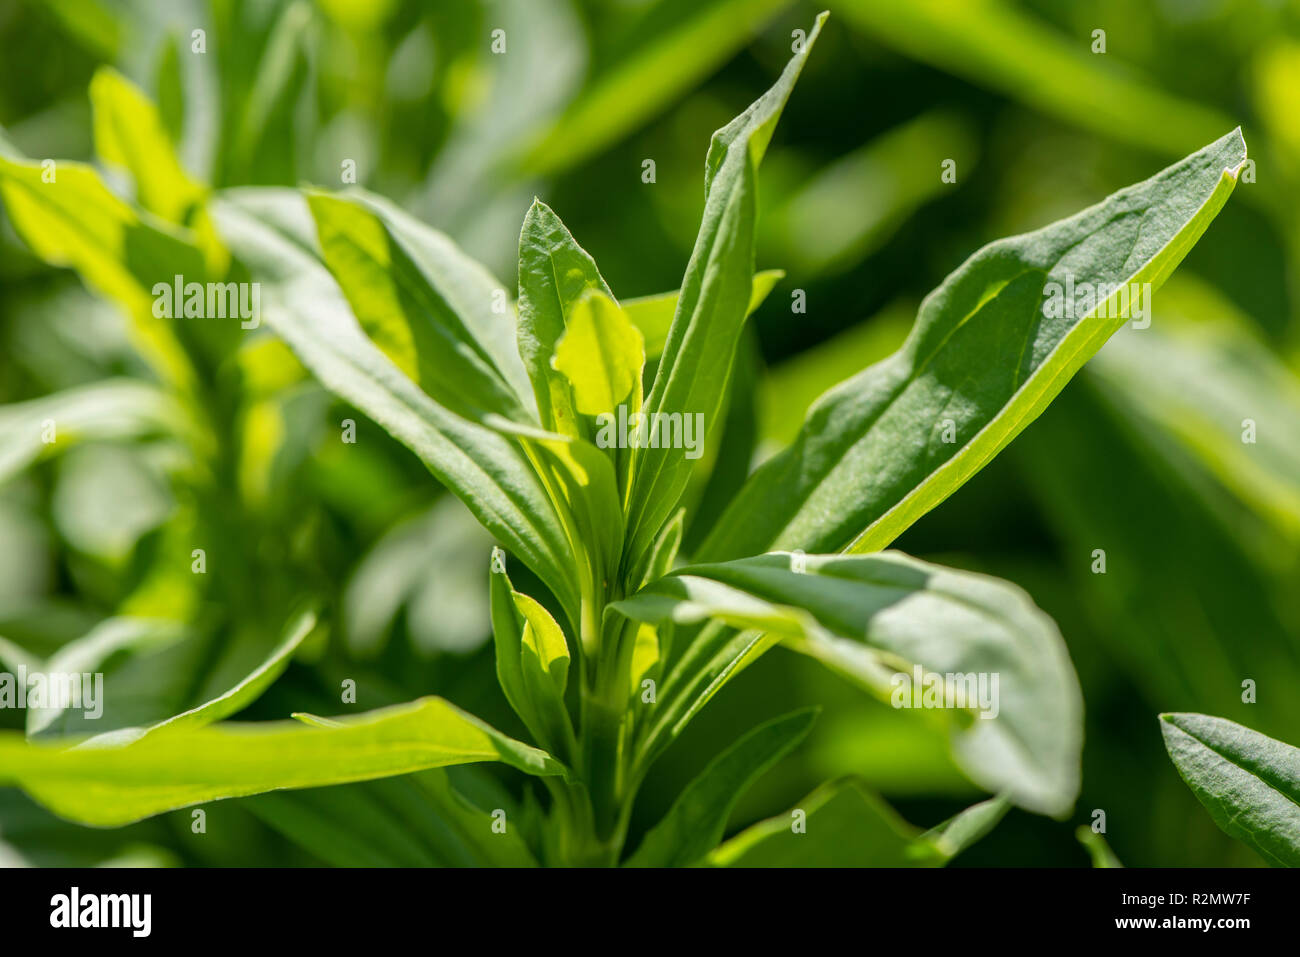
x=609, y=662
x=1249, y=782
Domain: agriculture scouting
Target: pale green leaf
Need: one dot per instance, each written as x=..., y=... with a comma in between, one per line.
x=1228, y=401
x=971, y=825
x=875, y=619
x=232, y=701
x=86, y=656
x=544, y=664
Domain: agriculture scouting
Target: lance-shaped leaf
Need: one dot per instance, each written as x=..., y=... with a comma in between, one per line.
x=110, y=786
x=129, y=134
x=992, y=346
x=554, y=274
x=1007, y=684
x=1249, y=782
x=696, y=821
x=435, y=312
x=271, y=230
x=841, y=824
x=714, y=300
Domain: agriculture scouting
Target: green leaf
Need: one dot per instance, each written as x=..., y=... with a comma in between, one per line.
x=114, y=785
x=1250, y=783
x=532, y=658
x=76, y=221
x=554, y=274
x=715, y=295
x=112, y=409
x=650, y=75
x=601, y=354
x=653, y=315
x=874, y=619
x=129, y=134
x=421, y=820
x=282, y=73
x=507, y=636
x=345, y=826
x=427, y=305
x=841, y=824
x=696, y=821
x=544, y=663
x=87, y=654
x=232, y=701
x=840, y=214
x=1180, y=588
x=665, y=551
x=985, y=357
x=962, y=830
x=583, y=488
x=1227, y=400
x=271, y=231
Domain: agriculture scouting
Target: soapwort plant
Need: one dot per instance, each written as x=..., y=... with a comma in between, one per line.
x=623, y=640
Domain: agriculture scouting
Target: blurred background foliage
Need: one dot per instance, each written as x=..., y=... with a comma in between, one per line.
x=1142, y=456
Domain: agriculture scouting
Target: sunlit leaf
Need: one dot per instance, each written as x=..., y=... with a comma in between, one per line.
x=114, y=785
